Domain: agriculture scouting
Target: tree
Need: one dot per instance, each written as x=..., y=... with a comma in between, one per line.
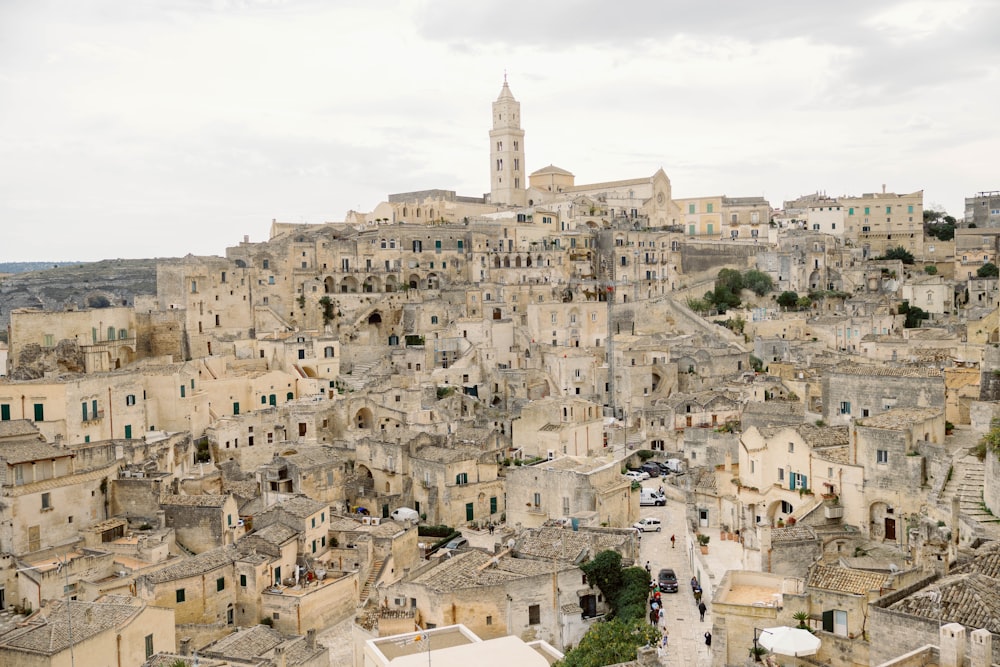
x=611, y=642
x=930, y=270
x=605, y=572
x=788, y=299
x=988, y=270
x=900, y=253
x=758, y=281
x=803, y=302
x=731, y=278
x=914, y=315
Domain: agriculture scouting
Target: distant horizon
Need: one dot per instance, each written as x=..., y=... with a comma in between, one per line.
x=167, y=128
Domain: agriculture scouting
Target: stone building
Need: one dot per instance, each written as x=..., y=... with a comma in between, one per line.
x=849, y=391
x=589, y=491
x=114, y=630
x=204, y=522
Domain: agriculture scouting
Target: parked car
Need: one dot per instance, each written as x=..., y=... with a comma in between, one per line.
x=647, y=525
x=637, y=475
x=455, y=544
x=651, y=468
x=667, y=580
x=672, y=465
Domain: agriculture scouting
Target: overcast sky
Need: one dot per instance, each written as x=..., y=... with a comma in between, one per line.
x=152, y=128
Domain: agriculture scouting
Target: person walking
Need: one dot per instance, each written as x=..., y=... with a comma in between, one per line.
x=649, y=570
x=701, y=610
x=673, y=538
x=708, y=639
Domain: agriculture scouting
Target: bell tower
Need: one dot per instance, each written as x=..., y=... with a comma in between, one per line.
x=508, y=180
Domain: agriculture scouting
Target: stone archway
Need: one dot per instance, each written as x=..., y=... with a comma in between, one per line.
x=363, y=419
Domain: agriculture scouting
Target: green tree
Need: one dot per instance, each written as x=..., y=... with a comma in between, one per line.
x=988, y=270
x=699, y=305
x=914, y=315
x=326, y=304
x=722, y=298
x=731, y=278
x=788, y=299
x=610, y=643
x=803, y=302
x=758, y=281
x=930, y=270
x=900, y=253
x=605, y=572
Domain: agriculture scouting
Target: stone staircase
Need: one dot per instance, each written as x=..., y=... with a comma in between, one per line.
x=966, y=484
x=359, y=375
x=370, y=582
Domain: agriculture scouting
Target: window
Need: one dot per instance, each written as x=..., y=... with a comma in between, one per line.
x=149, y=646
x=5, y=412
x=534, y=615
x=462, y=478
x=538, y=499
x=691, y=208
x=220, y=584
x=328, y=351
x=781, y=474
x=708, y=208
x=791, y=448
x=845, y=407
x=489, y=620
x=835, y=621
x=46, y=501
x=130, y=399
x=786, y=507
x=39, y=412
x=179, y=595
x=183, y=391
x=243, y=580
x=881, y=456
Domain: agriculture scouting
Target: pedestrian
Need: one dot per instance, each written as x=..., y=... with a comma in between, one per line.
x=701, y=610
x=673, y=538
x=649, y=570
x=708, y=639
x=697, y=595
x=491, y=527
x=665, y=638
x=653, y=616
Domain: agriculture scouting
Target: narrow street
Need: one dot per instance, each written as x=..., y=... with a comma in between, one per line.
x=686, y=644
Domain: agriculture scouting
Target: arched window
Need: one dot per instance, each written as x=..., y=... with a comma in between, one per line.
x=328, y=351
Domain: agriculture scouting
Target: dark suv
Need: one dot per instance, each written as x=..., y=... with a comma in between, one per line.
x=667, y=580
x=651, y=468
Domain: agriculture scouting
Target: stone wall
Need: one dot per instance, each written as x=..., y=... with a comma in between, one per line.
x=137, y=499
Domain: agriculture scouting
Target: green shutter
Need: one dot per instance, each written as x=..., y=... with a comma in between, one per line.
x=470, y=512
x=5, y=412
x=128, y=431
x=236, y=409
x=493, y=504
x=39, y=412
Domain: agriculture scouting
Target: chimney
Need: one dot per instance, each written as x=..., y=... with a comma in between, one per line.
x=185, y=646
x=311, y=639
x=279, y=656
x=981, y=648
x=729, y=461
x=952, y=645
x=883, y=188
x=161, y=519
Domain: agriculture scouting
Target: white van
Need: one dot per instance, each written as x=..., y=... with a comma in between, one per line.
x=649, y=497
x=405, y=514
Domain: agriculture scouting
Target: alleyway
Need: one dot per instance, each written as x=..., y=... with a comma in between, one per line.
x=686, y=644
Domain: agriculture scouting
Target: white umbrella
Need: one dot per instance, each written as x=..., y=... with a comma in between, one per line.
x=784, y=640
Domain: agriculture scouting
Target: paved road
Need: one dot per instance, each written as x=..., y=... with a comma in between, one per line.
x=686, y=643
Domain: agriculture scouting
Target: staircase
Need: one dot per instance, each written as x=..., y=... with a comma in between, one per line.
x=966, y=484
x=359, y=375
x=370, y=581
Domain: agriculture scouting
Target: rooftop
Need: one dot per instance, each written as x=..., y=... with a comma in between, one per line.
x=871, y=370
x=846, y=580
x=49, y=633
x=900, y=419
